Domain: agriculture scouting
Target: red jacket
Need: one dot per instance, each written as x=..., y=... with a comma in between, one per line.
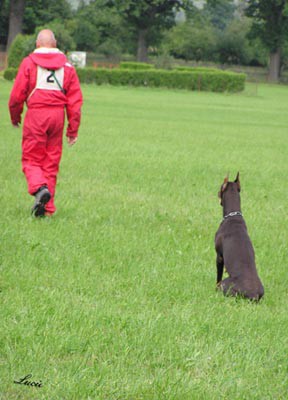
x=65, y=91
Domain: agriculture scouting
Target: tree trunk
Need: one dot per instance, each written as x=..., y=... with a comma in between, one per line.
x=142, y=52
x=17, y=8
x=274, y=66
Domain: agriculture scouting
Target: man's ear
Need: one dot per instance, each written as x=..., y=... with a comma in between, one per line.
x=237, y=180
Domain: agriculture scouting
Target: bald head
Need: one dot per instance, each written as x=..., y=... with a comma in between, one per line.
x=46, y=38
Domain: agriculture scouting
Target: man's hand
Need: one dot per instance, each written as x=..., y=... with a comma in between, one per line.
x=71, y=140
x=16, y=125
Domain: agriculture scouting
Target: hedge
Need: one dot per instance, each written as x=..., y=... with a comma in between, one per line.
x=198, y=69
x=10, y=73
x=218, y=81
x=135, y=65
x=21, y=46
x=215, y=81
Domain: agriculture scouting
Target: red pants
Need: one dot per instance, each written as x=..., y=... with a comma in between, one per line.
x=42, y=149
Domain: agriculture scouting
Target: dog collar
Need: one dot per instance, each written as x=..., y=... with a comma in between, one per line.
x=233, y=214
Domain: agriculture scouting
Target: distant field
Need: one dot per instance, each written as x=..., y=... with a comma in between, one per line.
x=113, y=297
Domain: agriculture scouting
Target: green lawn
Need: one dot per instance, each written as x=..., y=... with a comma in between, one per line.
x=114, y=297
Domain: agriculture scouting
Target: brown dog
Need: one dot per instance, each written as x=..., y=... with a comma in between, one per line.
x=234, y=248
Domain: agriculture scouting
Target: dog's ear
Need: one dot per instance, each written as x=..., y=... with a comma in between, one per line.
x=225, y=183
x=237, y=180
x=223, y=188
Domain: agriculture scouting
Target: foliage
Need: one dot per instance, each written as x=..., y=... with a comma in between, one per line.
x=22, y=46
x=194, y=69
x=215, y=81
x=4, y=21
x=164, y=60
x=116, y=27
x=190, y=42
x=198, y=39
x=233, y=46
x=259, y=53
x=147, y=18
x=65, y=41
x=270, y=24
x=135, y=65
x=43, y=12
x=270, y=21
x=10, y=73
x=141, y=74
x=37, y=13
x=148, y=13
x=25, y=44
x=285, y=56
x=111, y=48
x=219, y=13
x=98, y=28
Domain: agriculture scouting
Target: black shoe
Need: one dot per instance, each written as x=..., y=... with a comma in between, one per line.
x=42, y=196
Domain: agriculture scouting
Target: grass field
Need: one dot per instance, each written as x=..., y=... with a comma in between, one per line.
x=114, y=297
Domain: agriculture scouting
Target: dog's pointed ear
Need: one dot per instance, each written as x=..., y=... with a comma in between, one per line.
x=223, y=188
x=225, y=183
x=237, y=180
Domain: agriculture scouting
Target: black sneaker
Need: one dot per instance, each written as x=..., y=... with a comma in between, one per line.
x=41, y=198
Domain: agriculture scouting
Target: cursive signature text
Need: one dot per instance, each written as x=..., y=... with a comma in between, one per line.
x=26, y=381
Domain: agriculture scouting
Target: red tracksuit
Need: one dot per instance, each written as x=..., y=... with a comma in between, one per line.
x=49, y=85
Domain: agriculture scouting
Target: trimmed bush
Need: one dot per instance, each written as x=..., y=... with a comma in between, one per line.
x=218, y=81
x=194, y=69
x=21, y=46
x=215, y=81
x=135, y=65
x=10, y=73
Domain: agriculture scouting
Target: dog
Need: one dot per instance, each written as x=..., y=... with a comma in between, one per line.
x=234, y=248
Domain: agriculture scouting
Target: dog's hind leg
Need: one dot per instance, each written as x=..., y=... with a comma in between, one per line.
x=220, y=267
x=228, y=287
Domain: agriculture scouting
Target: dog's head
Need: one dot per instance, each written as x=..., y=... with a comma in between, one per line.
x=231, y=185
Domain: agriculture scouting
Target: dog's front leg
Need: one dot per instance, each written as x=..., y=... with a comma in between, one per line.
x=220, y=267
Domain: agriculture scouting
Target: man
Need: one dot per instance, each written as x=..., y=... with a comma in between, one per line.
x=49, y=85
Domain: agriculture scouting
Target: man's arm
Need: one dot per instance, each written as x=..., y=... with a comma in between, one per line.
x=19, y=93
x=73, y=107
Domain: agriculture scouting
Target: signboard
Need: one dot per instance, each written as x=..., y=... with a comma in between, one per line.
x=77, y=58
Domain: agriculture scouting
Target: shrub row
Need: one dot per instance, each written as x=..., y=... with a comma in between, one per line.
x=135, y=65
x=10, y=73
x=194, y=69
x=218, y=81
x=144, y=66
x=215, y=81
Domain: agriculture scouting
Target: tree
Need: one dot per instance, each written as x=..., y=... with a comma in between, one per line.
x=17, y=16
x=65, y=41
x=98, y=27
x=233, y=44
x=147, y=18
x=21, y=46
x=4, y=21
x=270, y=24
x=210, y=35
x=42, y=12
x=16, y=13
x=191, y=42
x=219, y=12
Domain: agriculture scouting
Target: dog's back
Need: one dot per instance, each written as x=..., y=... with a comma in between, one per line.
x=233, y=241
x=234, y=248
